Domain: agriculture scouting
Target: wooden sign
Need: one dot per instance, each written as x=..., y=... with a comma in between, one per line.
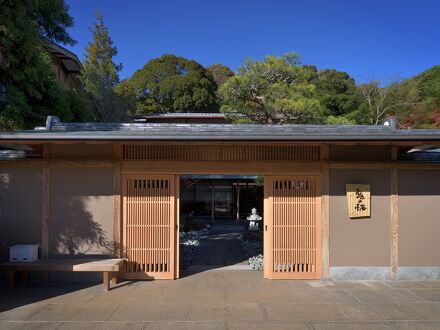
x=358, y=198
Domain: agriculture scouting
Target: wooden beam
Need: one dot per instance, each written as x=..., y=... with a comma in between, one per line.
x=383, y=165
x=325, y=212
x=45, y=203
x=226, y=167
x=56, y=163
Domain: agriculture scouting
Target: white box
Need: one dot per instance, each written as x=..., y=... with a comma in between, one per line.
x=23, y=253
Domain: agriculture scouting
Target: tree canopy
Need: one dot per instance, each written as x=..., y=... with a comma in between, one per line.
x=100, y=75
x=274, y=90
x=221, y=73
x=26, y=75
x=171, y=84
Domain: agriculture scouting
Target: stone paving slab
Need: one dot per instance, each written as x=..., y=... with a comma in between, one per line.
x=74, y=312
x=300, y=312
x=224, y=300
x=225, y=312
x=13, y=325
x=351, y=326
x=375, y=312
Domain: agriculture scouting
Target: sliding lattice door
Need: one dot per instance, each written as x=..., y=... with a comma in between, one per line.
x=150, y=226
x=292, y=234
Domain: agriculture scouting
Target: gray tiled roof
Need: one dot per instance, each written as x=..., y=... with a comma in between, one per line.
x=217, y=132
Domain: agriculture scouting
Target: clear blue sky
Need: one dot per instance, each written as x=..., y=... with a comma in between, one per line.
x=369, y=39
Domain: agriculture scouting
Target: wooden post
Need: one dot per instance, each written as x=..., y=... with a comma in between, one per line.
x=117, y=199
x=106, y=280
x=177, y=236
x=115, y=277
x=325, y=212
x=212, y=200
x=45, y=202
x=238, y=200
x=10, y=278
x=394, y=216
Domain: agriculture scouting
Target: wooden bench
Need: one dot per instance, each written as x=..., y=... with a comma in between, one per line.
x=109, y=268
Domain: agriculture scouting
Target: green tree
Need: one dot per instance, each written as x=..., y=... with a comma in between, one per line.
x=100, y=75
x=171, y=84
x=221, y=73
x=26, y=75
x=274, y=90
x=336, y=91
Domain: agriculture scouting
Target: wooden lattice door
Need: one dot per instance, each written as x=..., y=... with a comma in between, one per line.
x=292, y=236
x=150, y=226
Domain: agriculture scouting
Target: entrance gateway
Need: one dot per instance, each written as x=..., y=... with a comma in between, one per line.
x=292, y=217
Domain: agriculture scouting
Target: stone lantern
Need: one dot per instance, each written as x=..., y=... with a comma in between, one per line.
x=253, y=219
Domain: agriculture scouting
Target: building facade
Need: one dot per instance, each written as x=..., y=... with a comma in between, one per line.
x=340, y=202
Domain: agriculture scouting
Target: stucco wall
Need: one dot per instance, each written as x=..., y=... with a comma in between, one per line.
x=419, y=218
x=82, y=150
x=20, y=208
x=363, y=241
x=81, y=211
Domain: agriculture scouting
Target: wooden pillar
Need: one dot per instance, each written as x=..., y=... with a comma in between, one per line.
x=117, y=202
x=212, y=200
x=45, y=202
x=394, y=216
x=325, y=212
x=238, y=200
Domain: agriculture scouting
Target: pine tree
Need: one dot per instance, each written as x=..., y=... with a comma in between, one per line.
x=101, y=74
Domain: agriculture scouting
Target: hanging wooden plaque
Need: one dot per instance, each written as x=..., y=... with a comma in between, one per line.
x=359, y=200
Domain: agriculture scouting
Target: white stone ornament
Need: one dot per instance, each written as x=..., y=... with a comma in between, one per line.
x=253, y=219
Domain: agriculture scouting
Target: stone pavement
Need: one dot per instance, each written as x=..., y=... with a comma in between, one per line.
x=220, y=247
x=224, y=300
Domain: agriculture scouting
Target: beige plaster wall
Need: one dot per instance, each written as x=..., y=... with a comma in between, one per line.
x=20, y=208
x=81, y=211
x=363, y=241
x=419, y=218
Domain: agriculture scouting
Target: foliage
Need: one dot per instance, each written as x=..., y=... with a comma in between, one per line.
x=381, y=102
x=32, y=91
x=100, y=75
x=221, y=73
x=171, y=84
x=336, y=91
x=272, y=91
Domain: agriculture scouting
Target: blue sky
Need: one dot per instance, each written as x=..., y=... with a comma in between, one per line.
x=369, y=39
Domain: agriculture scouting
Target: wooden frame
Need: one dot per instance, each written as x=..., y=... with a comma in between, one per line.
x=150, y=226
x=292, y=233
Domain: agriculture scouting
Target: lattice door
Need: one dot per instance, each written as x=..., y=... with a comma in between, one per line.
x=150, y=234
x=292, y=234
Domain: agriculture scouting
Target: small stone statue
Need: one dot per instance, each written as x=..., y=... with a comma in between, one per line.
x=253, y=220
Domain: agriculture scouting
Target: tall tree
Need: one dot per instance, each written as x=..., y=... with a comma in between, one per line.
x=274, y=90
x=221, y=73
x=381, y=102
x=100, y=75
x=171, y=84
x=26, y=76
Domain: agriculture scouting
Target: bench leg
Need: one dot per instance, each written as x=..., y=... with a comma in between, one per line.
x=24, y=277
x=106, y=280
x=10, y=278
x=115, y=278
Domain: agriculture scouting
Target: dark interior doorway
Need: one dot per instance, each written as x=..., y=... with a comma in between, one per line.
x=214, y=230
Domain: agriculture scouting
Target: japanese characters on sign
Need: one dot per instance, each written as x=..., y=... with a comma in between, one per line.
x=358, y=199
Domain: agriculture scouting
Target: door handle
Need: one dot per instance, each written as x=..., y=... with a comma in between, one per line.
x=265, y=227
